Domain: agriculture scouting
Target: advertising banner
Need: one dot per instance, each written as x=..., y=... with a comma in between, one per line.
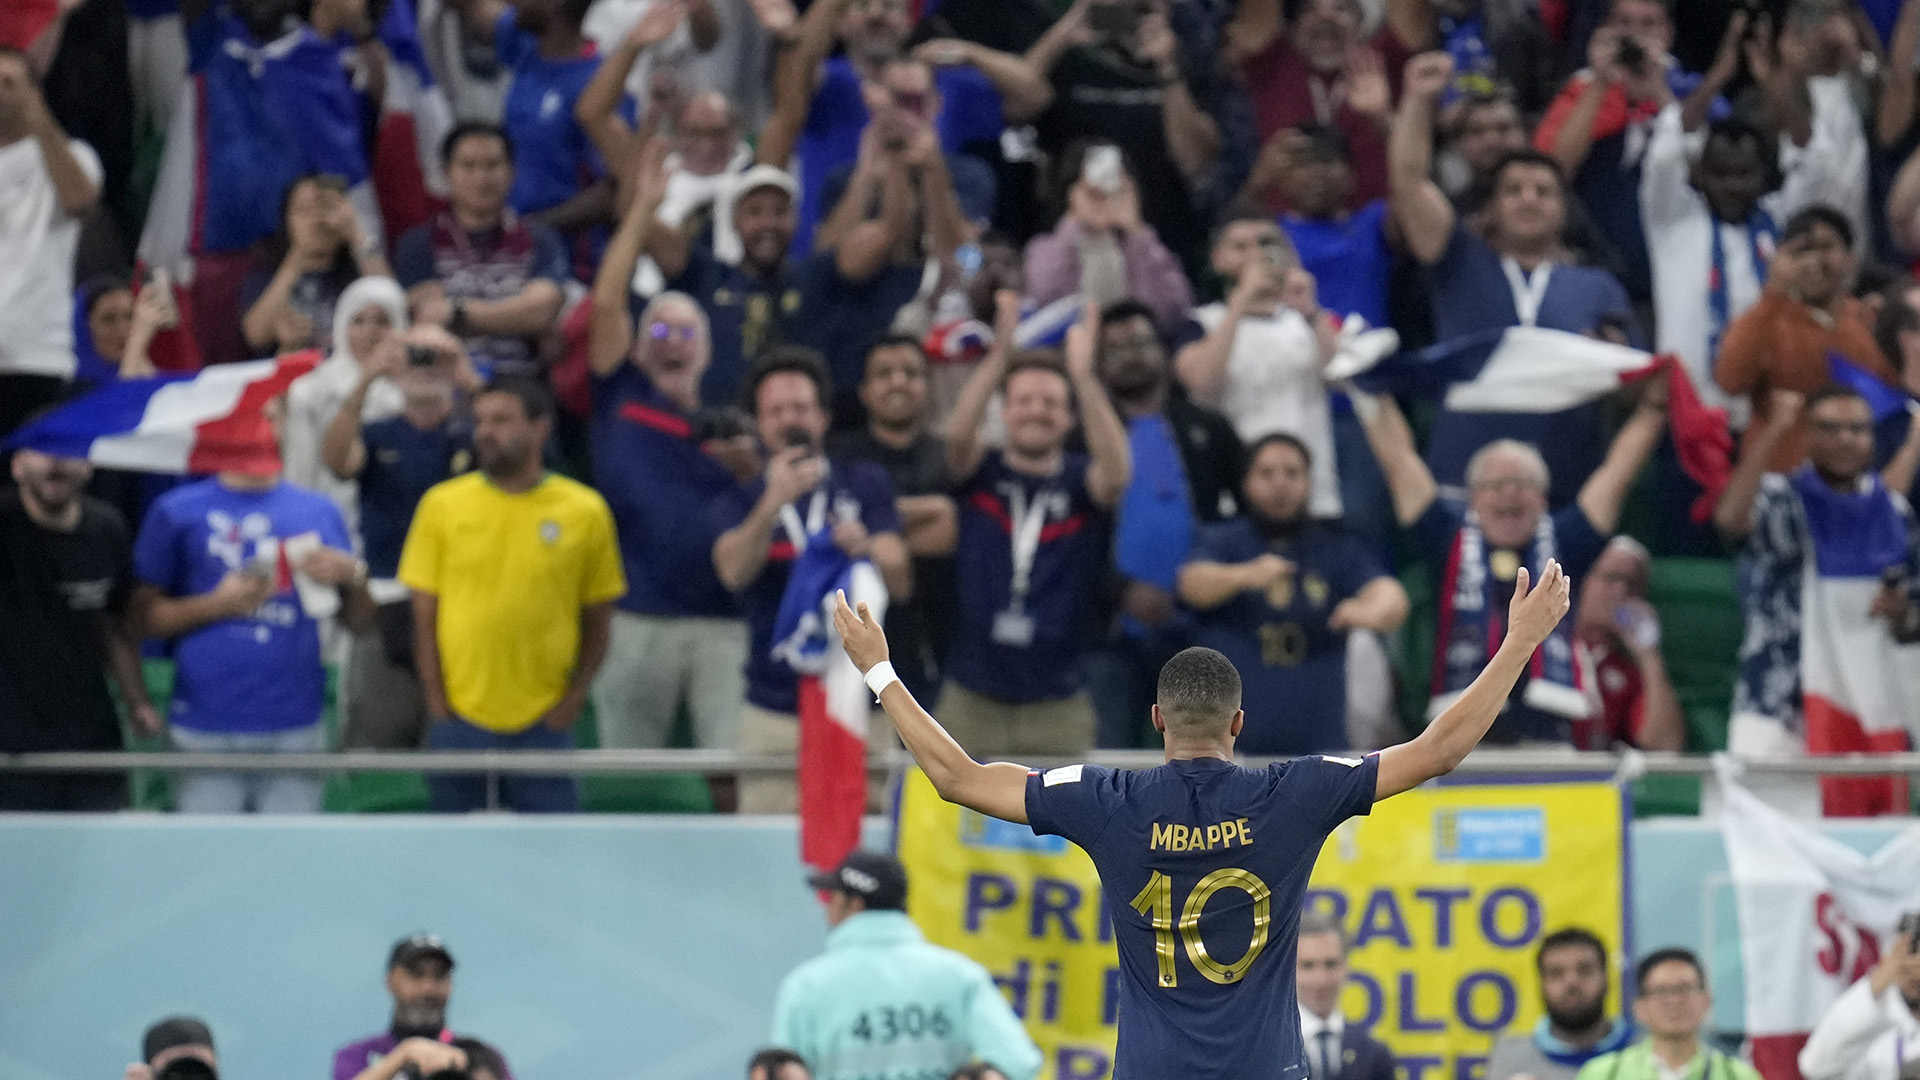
x=1444, y=892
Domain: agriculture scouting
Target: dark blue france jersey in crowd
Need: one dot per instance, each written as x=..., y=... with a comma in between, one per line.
x=1065, y=565
x=1232, y=847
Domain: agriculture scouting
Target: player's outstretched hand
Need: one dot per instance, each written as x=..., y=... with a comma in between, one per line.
x=1535, y=612
x=860, y=634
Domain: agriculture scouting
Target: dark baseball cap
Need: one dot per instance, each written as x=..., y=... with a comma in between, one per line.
x=876, y=878
x=174, y=1031
x=414, y=948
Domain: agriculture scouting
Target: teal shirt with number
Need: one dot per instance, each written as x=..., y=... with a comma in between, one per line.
x=883, y=1004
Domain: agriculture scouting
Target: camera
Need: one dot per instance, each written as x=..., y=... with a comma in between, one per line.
x=1630, y=54
x=1910, y=926
x=421, y=356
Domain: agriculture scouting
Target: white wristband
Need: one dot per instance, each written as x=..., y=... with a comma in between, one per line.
x=880, y=676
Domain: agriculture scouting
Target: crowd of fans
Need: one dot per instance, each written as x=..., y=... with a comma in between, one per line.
x=1034, y=305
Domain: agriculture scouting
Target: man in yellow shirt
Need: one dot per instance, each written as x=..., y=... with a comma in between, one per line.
x=514, y=572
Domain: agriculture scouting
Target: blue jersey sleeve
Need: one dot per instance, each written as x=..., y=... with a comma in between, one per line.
x=1074, y=801
x=1325, y=790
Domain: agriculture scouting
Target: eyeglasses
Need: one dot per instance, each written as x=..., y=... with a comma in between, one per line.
x=1665, y=993
x=663, y=332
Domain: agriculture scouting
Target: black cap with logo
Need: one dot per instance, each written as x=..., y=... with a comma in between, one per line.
x=414, y=948
x=877, y=879
x=174, y=1031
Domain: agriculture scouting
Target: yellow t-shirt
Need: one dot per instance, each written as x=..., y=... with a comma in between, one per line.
x=512, y=573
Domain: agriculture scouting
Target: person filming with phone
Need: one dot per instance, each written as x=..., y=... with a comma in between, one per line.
x=1873, y=1030
x=1102, y=249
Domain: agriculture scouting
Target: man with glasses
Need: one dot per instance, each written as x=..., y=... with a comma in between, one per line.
x=1475, y=550
x=1671, y=1003
x=1817, y=674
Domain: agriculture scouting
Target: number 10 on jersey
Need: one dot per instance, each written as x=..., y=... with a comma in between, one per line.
x=1156, y=903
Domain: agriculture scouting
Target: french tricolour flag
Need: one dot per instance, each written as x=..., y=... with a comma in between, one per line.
x=1530, y=369
x=834, y=700
x=414, y=118
x=212, y=421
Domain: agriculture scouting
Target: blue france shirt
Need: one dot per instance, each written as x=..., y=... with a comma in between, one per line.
x=250, y=675
x=1214, y=997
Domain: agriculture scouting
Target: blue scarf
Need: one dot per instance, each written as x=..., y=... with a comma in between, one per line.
x=1472, y=625
x=1763, y=237
x=1619, y=1037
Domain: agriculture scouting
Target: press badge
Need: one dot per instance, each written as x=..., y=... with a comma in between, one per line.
x=1013, y=629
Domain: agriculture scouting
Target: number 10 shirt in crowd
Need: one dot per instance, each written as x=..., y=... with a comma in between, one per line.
x=1204, y=865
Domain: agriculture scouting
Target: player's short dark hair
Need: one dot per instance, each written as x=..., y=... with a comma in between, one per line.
x=1673, y=954
x=1049, y=360
x=787, y=360
x=1275, y=438
x=1805, y=221
x=1571, y=937
x=1199, y=692
x=1237, y=211
x=1319, y=922
x=534, y=397
x=474, y=129
x=978, y=1070
x=773, y=1059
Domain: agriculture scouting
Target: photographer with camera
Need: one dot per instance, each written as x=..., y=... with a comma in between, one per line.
x=660, y=460
x=417, y=1041
x=390, y=462
x=1871, y=1031
x=177, y=1048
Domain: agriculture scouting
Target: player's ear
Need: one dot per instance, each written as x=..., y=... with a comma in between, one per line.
x=1159, y=722
x=1239, y=721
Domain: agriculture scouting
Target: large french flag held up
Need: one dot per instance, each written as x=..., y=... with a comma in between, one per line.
x=212, y=421
x=834, y=699
x=1530, y=369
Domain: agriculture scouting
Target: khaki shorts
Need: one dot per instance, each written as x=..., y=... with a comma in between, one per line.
x=763, y=731
x=990, y=729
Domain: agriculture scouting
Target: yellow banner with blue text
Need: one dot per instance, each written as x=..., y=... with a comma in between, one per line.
x=1445, y=892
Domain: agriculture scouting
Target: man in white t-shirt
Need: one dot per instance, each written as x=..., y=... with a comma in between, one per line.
x=1259, y=357
x=47, y=184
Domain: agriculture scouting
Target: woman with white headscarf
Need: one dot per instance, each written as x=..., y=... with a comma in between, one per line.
x=370, y=315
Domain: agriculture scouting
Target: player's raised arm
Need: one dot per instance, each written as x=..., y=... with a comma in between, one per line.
x=1436, y=751
x=998, y=789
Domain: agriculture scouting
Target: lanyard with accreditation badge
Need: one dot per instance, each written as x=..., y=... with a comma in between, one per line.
x=1528, y=289
x=1014, y=627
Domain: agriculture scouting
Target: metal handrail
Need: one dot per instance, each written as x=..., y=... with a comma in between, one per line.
x=1491, y=761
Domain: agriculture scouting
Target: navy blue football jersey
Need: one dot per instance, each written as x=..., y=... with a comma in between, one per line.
x=1204, y=865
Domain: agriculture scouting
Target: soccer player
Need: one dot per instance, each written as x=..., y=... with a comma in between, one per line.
x=1204, y=863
